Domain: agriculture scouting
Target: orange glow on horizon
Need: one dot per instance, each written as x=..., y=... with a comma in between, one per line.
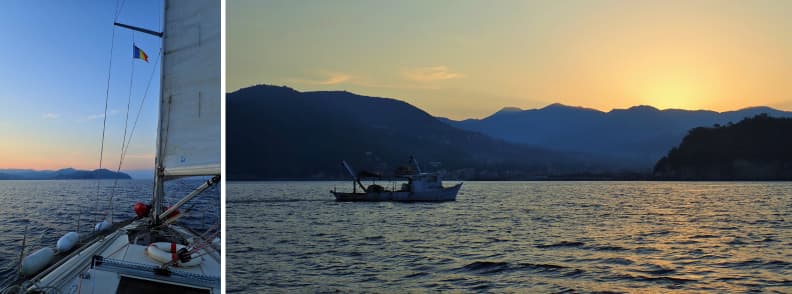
x=714, y=55
x=38, y=157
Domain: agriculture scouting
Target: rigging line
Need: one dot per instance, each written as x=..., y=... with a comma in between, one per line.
x=124, y=140
x=107, y=98
x=202, y=242
x=128, y=142
x=205, y=234
x=118, y=9
x=104, y=121
x=140, y=109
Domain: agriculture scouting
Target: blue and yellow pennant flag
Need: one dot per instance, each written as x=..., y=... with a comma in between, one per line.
x=137, y=53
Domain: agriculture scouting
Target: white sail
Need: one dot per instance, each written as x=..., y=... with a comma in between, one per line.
x=189, y=127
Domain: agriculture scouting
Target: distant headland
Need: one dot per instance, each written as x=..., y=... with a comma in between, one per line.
x=61, y=174
x=757, y=148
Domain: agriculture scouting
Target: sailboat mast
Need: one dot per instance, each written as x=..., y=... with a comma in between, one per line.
x=159, y=189
x=188, y=132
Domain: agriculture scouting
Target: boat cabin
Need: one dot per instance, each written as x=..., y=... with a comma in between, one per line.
x=423, y=182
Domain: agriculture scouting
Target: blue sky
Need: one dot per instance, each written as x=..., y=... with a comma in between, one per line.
x=53, y=78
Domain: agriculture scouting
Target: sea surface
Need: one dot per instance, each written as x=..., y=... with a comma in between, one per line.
x=50, y=209
x=535, y=237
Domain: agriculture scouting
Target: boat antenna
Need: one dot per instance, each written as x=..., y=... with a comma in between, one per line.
x=355, y=178
x=415, y=162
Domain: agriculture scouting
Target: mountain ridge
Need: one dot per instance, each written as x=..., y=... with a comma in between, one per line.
x=558, y=105
x=320, y=128
x=278, y=132
x=637, y=136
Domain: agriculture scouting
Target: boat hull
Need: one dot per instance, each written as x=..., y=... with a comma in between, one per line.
x=445, y=194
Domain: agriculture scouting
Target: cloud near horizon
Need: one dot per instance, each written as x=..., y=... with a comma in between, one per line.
x=430, y=73
x=418, y=78
x=50, y=115
x=101, y=115
x=335, y=78
x=331, y=78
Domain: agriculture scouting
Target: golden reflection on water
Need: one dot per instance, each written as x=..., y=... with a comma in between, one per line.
x=683, y=227
x=536, y=237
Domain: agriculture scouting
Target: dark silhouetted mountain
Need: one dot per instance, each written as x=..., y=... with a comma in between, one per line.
x=757, y=148
x=61, y=174
x=635, y=137
x=277, y=132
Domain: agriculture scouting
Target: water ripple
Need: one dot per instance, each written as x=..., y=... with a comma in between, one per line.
x=538, y=237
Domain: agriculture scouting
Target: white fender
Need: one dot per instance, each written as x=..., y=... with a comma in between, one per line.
x=103, y=226
x=37, y=261
x=67, y=242
x=161, y=252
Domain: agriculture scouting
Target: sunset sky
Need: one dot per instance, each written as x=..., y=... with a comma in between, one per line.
x=53, y=78
x=458, y=59
x=463, y=59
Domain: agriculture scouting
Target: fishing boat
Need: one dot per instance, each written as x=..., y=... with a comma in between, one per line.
x=419, y=187
x=152, y=253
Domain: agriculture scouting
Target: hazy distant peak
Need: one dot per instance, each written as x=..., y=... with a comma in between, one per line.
x=556, y=105
x=644, y=108
x=504, y=111
x=509, y=109
x=757, y=108
x=559, y=106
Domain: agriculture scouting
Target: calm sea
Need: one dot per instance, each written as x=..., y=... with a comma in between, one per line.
x=513, y=237
x=52, y=208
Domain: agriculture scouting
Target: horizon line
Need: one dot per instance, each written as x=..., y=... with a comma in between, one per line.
x=62, y=168
x=519, y=108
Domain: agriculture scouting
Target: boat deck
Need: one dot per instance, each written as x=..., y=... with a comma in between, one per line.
x=102, y=266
